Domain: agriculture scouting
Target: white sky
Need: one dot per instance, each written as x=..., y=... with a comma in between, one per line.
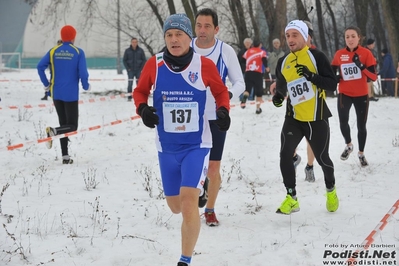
x=57, y=221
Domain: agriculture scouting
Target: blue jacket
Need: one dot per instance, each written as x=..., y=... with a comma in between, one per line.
x=67, y=65
x=387, y=69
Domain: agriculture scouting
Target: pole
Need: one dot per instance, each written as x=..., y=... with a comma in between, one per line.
x=118, y=65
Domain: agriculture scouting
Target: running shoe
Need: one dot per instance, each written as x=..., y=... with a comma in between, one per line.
x=332, y=201
x=244, y=99
x=345, y=154
x=182, y=264
x=50, y=133
x=363, y=160
x=296, y=160
x=204, y=197
x=258, y=111
x=309, y=174
x=210, y=218
x=288, y=206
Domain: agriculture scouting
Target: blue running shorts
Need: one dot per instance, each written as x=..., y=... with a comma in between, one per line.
x=183, y=169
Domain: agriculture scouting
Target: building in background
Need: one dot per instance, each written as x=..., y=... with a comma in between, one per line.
x=18, y=34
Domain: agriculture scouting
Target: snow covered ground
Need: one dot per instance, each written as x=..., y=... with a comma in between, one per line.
x=108, y=208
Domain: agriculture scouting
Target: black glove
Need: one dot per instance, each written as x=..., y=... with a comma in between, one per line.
x=304, y=71
x=230, y=95
x=278, y=100
x=223, y=119
x=357, y=62
x=338, y=77
x=147, y=113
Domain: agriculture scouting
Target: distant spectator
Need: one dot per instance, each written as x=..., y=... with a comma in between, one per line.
x=276, y=53
x=387, y=71
x=133, y=60
x=68, y=67
x=247, y=44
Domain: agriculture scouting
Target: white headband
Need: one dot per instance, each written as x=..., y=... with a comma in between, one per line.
x=300, y=26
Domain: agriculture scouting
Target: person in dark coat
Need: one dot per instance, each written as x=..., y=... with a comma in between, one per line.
x=387, y=71
x=133, y=60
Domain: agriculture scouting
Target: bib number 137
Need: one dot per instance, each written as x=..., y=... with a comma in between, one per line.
x=181, y=117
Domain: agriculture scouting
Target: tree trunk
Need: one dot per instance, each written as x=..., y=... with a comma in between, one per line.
x=171, y=6
x=361, y=13
x=301, y=12
x=320, y=24
x=378, y=29
x=334, y=24
x=237, y=13
x=253, y=20
x=156, y=12
x=189, y=12
x=391, y=10
x=276, y=19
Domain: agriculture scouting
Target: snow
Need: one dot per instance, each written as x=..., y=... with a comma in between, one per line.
x=108, y=209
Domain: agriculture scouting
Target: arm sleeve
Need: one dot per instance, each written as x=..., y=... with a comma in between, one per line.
x=125, y=60
x=41, y=68
x=211, y=79
x=146, y=81
x=83, y=73
x=264, y=61
x=234, y=72
x=325, y=78
x=143, y=59
x=281, y=83
x=370, y=70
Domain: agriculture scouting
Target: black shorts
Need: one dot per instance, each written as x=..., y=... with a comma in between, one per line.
x=254, y=80
x=218, y=139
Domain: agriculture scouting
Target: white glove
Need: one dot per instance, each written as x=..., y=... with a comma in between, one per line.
x=89, y=88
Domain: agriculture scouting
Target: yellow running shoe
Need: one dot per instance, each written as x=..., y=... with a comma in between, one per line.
x=332, y=201
x=288, y=206
x=50, y=133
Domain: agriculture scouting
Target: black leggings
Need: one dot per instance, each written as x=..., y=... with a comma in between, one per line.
x=361, y=105
x=68, y=114
x=318, y=135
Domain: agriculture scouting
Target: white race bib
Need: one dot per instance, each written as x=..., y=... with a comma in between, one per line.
x=300, y=90
x=180, y=117
x=350, y=72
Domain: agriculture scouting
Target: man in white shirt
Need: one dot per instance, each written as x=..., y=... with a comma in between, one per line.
x=226, y=61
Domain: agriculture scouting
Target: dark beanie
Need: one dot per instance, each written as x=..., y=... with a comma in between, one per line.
x=370, y=41
x=179, y=22
x=68, y=33
x=384, y=51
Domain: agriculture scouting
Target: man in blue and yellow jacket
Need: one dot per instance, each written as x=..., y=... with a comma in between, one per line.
x=67, y=66
x=305, y=74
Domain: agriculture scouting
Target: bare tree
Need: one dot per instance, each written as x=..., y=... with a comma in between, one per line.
x=253, y=20
x=237, y=13
x=391, y=11
x=320, y=25
x=361, y=14
x=334, y=25
x=276, y=18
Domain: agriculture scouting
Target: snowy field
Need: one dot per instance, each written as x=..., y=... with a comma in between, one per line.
x=108, y=208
